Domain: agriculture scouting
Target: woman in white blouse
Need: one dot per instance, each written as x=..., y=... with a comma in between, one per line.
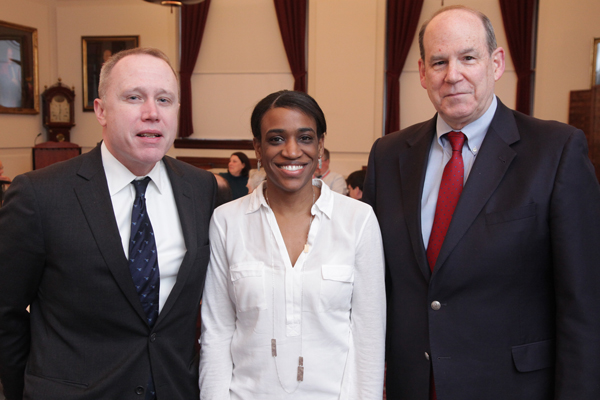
x=294, y=300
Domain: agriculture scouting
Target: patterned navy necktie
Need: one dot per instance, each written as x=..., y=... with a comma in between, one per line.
x=143, y=261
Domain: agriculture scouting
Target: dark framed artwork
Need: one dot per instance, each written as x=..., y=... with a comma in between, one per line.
x=19, y=93
x=94, y=51
x=596, y=63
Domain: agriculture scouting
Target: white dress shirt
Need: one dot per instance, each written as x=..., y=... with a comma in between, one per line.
x=162, y=211
x=440, y=154
x=329, y=307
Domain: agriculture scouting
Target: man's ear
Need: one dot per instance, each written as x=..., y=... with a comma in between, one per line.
x=100, y=111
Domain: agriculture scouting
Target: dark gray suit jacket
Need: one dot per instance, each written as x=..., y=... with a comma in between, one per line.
x=517, y=276
x=87, y=335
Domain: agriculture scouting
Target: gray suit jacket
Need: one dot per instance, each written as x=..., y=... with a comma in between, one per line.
x=517, y=276
x=87, y=335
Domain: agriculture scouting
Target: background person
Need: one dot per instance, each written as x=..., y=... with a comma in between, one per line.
x=237, y=174
x=255, y=179
x=355, y=181
x=334, y=180
x=294, y=305
x=92, y=332
x=496, y=296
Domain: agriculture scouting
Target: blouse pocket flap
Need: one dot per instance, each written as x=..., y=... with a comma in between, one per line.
x=340, y=273
x=246, y=270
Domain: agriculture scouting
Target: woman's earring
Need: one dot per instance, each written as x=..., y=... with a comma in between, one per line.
x=320, y=162
x=258, y=166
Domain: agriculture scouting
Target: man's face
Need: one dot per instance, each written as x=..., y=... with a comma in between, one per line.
x=139, y=112
x=458, y=71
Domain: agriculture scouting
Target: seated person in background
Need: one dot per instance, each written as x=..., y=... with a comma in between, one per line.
x=335, y=181
x=255, y=179
x=237, y=174
x=355, y=184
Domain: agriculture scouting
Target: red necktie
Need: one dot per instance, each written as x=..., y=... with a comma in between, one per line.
x=450, y=190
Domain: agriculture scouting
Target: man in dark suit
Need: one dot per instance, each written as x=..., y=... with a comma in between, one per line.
x=65, y=250
x=501, y=301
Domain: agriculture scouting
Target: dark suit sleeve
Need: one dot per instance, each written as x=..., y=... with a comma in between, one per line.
x=575, y=236
x=369, y=184
x=21, y=266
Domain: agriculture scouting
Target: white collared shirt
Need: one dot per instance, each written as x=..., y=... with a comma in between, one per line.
x=162, y=210
x=440, y=154
x=329, y=307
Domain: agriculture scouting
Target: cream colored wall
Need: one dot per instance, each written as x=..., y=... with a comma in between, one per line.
x=564, y=58
x=238, y=67
x=242, y=59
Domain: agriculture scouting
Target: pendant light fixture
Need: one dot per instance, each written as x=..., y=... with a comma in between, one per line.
x=175, y=3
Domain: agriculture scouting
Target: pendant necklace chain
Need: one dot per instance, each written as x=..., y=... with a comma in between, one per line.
x=300, y=372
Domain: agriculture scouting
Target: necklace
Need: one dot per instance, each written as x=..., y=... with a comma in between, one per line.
x=300, y=370
x=312, y=216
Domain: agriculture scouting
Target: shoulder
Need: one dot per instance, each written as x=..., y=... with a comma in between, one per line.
x=233, y=210
x=188, y=171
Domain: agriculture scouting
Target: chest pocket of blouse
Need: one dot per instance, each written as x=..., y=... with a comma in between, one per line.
x=336, y=287
x=248, y=286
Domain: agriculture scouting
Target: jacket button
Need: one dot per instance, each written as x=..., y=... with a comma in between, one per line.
x=427, y=356
x=139, y=390
x=153, y=337
x=435, y=305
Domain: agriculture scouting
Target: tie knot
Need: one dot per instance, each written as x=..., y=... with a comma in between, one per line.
x=140, y=186
x=457, y=139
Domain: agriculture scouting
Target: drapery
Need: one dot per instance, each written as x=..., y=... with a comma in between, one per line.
x=193, y=21
x=518, y=18
x=402, y=22
x=291, y=15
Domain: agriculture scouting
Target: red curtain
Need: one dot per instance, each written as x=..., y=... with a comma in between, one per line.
x=291, y=15
x=402, y=22
x=193, y=21
x=518, y=18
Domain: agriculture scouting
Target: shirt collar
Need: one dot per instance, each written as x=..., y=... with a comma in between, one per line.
x=119, y=177
x=475, y=131
x=324, y=203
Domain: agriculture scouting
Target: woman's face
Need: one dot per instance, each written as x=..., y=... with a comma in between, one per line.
x=235, y=166
x=288, y=148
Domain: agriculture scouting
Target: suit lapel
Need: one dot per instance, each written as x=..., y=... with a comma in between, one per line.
x=182, y=191
x=94, y=198
x=413, y=166
x=487, y=172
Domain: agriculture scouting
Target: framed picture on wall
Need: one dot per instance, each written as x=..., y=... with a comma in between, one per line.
x=596, y=63
x=95, y=50
x=18, y=69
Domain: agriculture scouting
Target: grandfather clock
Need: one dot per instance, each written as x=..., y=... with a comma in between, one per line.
x=58, y=113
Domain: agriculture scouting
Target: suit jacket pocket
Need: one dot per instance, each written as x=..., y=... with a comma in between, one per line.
x=511, y=215
x=534, y=356
x=248, y=286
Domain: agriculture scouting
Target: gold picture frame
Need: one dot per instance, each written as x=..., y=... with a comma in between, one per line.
x=19, y=90
x=596, y=63
x=94, y=51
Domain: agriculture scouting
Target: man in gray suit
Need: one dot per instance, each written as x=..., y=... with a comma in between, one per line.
x=494, y=296
x=65, y=250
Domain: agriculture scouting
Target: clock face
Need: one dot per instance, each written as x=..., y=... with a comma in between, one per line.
x=60, y=109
